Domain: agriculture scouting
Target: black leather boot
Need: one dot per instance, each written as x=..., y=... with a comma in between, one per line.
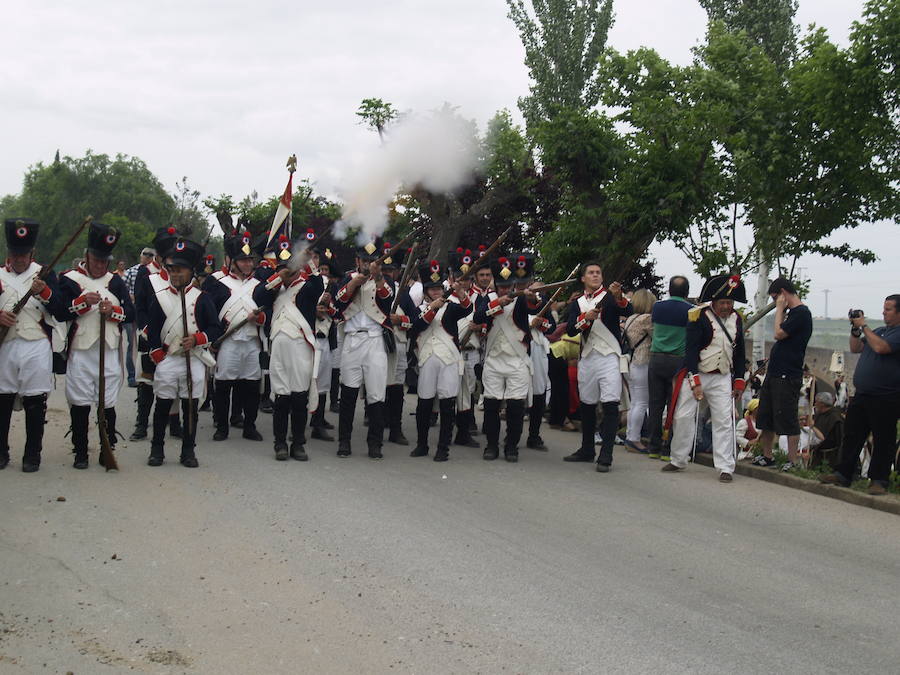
x=144, y=404
x=515, y=420
x=175, y=425
x=394, y=413
x=265, y=400
x=221, y=408
x=608, y=431
x=335, y=394
x=299, y=406
x=375, y=437
x=7, y=401
x=447, y=409
x=160, y=422
x=345, y=419
x=280, y=413
x=110, y=415
x=588, y=426
x=35, y=413
x=236, y=419
x=189, y=409
x=423, y=424
x=319, y=424
x=535, y=417
x=80, y=416
x=464, y=430
x=249, y=393
x=492, y=428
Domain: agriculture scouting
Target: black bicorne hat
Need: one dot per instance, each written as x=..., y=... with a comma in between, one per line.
x=164, y=239
x=503, y=269
x=432, y=274
x=724, y=287
x=370, y=250
x=21, y=235
x=461, y=260
x=185, y=253
x=102, y=239
x=523, y=266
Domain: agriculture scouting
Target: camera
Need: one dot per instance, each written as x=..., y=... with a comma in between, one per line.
x=855, y=313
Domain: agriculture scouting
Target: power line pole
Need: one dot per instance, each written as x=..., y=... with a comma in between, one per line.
x=826, y=292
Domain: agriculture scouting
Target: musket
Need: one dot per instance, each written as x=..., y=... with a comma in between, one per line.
x=233, y=329
x=759, y=315
x=559, y=285
x=411, y=261
x=45, y=270
x=107, y=456
x=570, y=278
x=189, y=422
x=483, y=259
x=393, y=249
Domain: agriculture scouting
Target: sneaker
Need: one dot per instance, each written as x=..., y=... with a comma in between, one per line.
x=762, y=460
x=788, y=466
x=665, y=458
x=598, y=439
x=725, y=477
x=653, y=455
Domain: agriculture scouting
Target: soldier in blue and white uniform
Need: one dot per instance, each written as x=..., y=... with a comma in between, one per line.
x=326, y=341
x=507, y=363
x=169, y=341
x=93, y=296
x=238, y=359
x=364, y=300
x=436, y=338
x=26, y=356
x=714, y=371
x=595, y=316
x=401, y=322
x=541, y=327
x=293, y=296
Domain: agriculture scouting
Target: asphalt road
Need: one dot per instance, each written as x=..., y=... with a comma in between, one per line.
x=248, y=565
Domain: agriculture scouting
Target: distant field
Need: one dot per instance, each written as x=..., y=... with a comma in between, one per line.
x=827, y=333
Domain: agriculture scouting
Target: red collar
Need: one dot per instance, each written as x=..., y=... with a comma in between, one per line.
x=596, y=293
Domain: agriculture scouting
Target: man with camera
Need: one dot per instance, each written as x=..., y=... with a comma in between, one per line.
x=779, y=395
x=875, y=407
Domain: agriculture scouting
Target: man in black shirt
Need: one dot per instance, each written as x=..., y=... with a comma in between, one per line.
x=779, y=395
x=875, y=407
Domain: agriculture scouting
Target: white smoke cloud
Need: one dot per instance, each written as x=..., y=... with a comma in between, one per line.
x=439, y=151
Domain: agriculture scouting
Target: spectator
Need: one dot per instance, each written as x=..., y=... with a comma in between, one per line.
x=638, y=335
x=129, y=276
x=780, y=391
x=666, y=355
x=120, y=268
x=825, y=435
x=842, y=395
x=746, y=432
x=875, y=407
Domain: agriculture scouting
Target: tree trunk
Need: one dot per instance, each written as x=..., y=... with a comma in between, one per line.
x=760, y=301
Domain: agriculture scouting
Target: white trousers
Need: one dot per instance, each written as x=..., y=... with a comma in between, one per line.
x=540, y=377
x=717, y=392
x=506, y=377
x=436, y=378
x=26, y=367
x=238, y=360
x=396, y=372
x=639, y=391
x=323, y=374
x=83, y=373
x=468, y=380
x=170, y=378
x=291, y=365
x=599, y=378
x=364, y=360
x=336, y=354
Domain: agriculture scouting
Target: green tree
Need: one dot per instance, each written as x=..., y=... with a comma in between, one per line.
x=62, y=194
x=376, y=115
x=187, y=215
x=767, y=23
x=563, y=41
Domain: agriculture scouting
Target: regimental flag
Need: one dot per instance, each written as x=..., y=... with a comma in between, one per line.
x=281, y=225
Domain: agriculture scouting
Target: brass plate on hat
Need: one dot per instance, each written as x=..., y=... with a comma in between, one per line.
x=520, y=272
x=505, y=273
x=245, y=249
x=464, y=268
x=435, y=277
x=388, y=261
x=369, y=248
x=285, y=254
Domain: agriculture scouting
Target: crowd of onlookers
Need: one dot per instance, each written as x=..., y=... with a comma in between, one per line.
x=782, y=410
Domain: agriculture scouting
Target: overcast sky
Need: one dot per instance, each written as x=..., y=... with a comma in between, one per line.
x=223, y=92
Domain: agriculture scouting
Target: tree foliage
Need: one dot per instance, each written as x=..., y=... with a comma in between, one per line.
x=376, y=114
x=767, y=23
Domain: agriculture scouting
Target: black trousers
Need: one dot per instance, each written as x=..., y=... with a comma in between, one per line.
x=877, y=415
x=559, y=389
x=660, y=373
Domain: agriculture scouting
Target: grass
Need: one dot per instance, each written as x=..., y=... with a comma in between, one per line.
x=860, y=485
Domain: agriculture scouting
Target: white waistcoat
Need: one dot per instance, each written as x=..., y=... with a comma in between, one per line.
x=511, y=340
x=364, y=301
x=287, y=317
x=15, y=286
x=239, y=306
x=173, y=328
x=435, y=340
x=599, y=339
x=88, y=324
x=719, y=354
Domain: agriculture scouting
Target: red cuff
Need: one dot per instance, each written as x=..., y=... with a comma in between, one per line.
x=739, y=384
x=383, y=292
x=428, y=316
x=157, y=355
x=405, y=324
x=695, y=381
x=45, y=294
x=494, y=307
x=200, y=338
x=623, y=303
x=261, y=319
x=80, y=306
x=117, y=315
